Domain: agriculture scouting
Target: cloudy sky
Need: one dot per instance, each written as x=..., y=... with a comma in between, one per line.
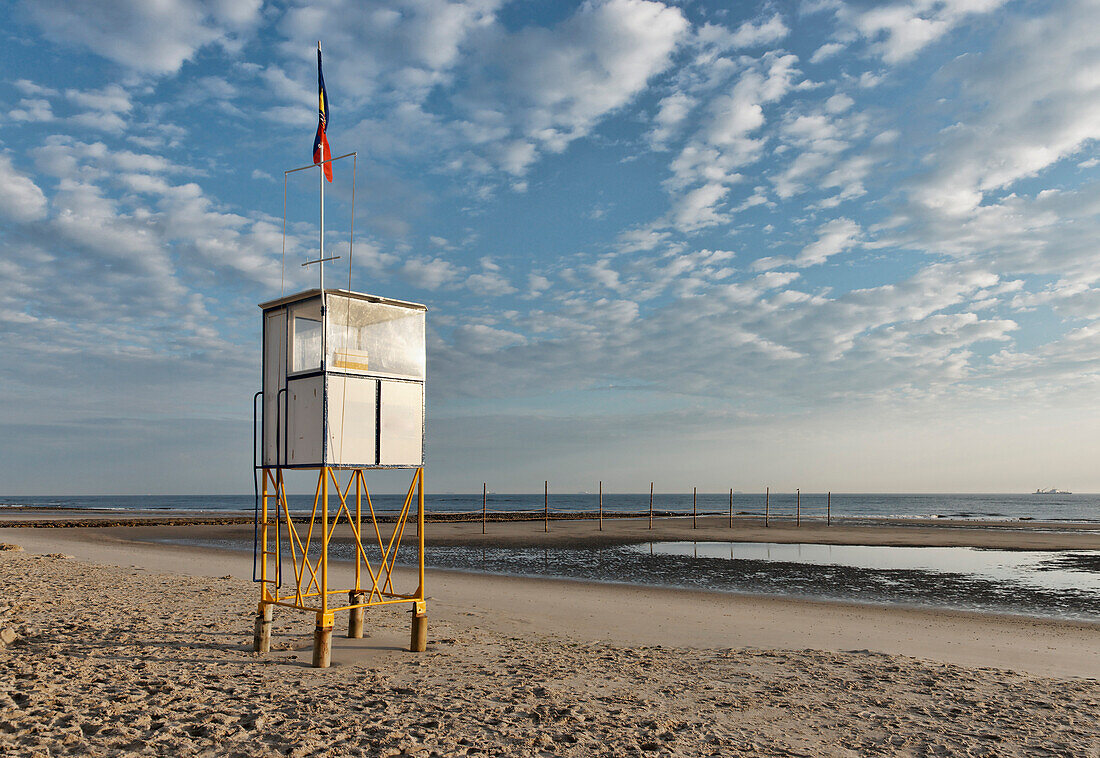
x=827, y=245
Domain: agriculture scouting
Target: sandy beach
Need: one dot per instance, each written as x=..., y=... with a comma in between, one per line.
x=129, y=646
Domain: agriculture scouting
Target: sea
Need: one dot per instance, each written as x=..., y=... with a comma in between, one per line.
x=990, y=507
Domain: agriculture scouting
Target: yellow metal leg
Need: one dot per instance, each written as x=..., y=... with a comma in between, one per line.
x=358, y=477
x=418, y=642
x=261, y=639
x=311, y=587
x=420, y=529
x=263, y=539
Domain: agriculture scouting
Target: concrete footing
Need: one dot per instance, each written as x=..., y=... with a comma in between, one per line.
x=261, y=638
x=355, y=615
x=418, y=641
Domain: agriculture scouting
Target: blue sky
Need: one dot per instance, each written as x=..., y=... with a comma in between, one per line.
x=827, y=245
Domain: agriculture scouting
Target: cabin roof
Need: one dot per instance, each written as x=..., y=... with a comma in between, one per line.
x=307, y=294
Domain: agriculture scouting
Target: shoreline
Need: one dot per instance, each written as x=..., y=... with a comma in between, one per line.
x=619, y=530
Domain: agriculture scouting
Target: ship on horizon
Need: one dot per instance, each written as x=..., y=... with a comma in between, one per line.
x=1053, y=491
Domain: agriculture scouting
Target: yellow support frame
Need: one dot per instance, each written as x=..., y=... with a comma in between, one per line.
x=311, y=590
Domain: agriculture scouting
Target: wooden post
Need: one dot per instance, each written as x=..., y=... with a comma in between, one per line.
x=694, y=508
x=261, y=641
x=651, y=505
x=418, y=640
x=484, y=490
x=798, y=507
x=829, y=509
x=355, y=615
x=322, y=641
x=767, y=500
x=731, y=509
x=546, y=506
x=601, y=506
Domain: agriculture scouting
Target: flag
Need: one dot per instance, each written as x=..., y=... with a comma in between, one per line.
x=320, y=142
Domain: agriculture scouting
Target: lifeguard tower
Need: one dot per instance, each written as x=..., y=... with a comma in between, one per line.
x=342, y=394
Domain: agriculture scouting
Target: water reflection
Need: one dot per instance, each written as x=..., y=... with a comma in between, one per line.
x=1062, y=569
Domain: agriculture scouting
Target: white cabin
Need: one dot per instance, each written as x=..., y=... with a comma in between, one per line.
x=343, y=381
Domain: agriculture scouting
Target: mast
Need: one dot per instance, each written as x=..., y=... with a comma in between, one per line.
x=321, y=179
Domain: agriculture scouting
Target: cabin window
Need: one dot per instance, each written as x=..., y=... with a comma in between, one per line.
x=381, y=339
x=305, y=336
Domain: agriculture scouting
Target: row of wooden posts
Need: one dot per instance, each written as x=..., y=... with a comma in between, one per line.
x=694, y=506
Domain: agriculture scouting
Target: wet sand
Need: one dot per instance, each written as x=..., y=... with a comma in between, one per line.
x=1006, y=535
x=134, y=646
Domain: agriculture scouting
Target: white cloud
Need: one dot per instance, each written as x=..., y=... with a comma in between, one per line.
x=537, y=284
x=699, y=208
x=155, y=231
x=32, y=109
x=641, y=238
x=20, y=198
x=398, y=51
x=725, y=140
x=491, y=281
x=898, y=31
x=101, y=121
x=106, y=108
x=521, y=92
x=88, y=219
x=603, y=275
x=32, y=89
x=838, y=103
x=517, y=156
x=207, y=235
x=764, y=31
x=672, y=111
x=563, y=80
x=1040, y=88
x=429, y=273
x=481, y=339
x=833, y=237
x=826, y=51
x=112, y=98
x=151, y=37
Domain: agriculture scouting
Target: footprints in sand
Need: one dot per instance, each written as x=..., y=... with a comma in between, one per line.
x=122, y=661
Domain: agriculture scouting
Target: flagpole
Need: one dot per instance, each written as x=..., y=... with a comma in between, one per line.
x=321, y=179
